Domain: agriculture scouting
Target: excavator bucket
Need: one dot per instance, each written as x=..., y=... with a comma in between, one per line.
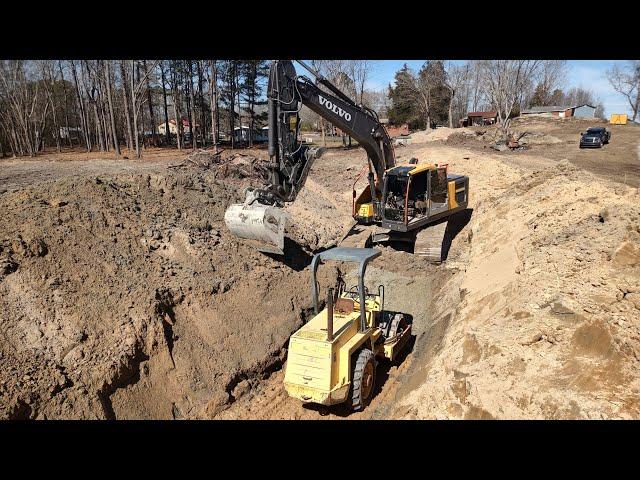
x=262, y=225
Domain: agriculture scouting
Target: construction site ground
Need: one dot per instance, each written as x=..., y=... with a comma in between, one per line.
x=123, y=295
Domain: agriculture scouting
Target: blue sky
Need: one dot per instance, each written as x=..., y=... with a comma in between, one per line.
x=588, y=74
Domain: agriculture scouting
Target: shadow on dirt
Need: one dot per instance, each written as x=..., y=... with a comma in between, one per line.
x=295, y=257
x=382, y=376
x=456, y=223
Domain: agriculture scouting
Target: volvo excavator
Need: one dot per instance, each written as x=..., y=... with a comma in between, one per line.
x=399, y=201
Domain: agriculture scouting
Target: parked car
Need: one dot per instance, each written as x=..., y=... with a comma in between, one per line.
x=595, y=137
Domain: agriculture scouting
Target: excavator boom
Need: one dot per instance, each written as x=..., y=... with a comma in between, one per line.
x=260, y=218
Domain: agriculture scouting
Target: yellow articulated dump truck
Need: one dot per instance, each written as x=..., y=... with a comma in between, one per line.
x=332, y=359
x=618, y=119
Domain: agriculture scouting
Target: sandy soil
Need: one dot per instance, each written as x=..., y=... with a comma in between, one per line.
x=559, y=140
x=124, y=296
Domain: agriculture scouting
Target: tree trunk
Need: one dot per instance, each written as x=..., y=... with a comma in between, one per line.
x=66, y=104
x=116, y=145
x=176, y=108
x=83, y=119
x=135, y=110
x=252, y=100
x=166, y=114
x=192, y=113
x=106, y=127
x=50, y=81
x=92, y=99
x=203, y=116
x=232, y=109
x=451, y=108
x=213, y=88
x=137, y=98
x=152, y=116
x=127, y=102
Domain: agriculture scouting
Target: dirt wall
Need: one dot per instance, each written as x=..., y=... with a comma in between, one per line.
x=123, y=296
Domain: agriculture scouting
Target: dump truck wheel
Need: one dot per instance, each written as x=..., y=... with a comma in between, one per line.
x=364, y=379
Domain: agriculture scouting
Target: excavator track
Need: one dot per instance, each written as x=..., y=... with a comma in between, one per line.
x=429, y=242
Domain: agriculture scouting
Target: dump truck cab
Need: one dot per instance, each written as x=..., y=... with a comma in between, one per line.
x=332, y=358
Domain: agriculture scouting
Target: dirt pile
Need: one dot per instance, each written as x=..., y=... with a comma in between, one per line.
x=548, y=321
x=442, y=133
x=124, y=296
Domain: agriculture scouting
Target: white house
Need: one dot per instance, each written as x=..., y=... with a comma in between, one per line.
x=241, y=134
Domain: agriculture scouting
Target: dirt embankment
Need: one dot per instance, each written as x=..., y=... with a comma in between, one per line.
x=123, y=296
x=548, y=323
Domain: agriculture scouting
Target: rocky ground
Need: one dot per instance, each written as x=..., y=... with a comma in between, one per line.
x=122, y=294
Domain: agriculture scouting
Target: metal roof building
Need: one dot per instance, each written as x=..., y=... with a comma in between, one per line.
x=583, y=111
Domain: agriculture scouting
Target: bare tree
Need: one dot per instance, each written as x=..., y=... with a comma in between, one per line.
x=114, y=133
x=47, y=70
x=456, y=76
x=626, y=81
x=553, y=74
x=164, y=104
x=359, y=71
x=84, y=120
x=213, y=93
x=136, y=98
x=192, y=103
x=175, y=101
x=152, y=116
x=24, y=107
x=505, y=82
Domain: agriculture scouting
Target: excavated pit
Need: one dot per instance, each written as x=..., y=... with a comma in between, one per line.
x=123, y=296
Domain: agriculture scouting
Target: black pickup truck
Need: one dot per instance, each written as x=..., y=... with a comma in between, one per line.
x=595, y=137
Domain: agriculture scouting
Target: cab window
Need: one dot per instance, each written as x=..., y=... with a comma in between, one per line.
x=439, y=185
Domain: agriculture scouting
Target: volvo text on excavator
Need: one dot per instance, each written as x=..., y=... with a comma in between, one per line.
x=399, y=201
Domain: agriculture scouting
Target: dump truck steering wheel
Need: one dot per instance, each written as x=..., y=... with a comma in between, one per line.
x=353, y=292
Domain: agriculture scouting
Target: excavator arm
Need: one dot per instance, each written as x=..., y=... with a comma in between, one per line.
x=260, y=217
x=290, y=160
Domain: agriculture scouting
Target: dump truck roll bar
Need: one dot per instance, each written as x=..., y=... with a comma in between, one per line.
x=343, y=254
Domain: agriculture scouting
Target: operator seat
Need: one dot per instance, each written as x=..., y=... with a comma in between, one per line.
x=344, y=306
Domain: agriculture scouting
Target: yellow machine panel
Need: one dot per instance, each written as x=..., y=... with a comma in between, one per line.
x=365, y=210
x=317, y=370
x=452, y=194
x=618, y=119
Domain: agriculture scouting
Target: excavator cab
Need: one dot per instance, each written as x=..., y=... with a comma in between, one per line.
x=415, y=195
x=332, y=358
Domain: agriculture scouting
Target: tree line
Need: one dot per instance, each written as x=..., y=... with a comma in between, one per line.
x=443, y=92
x=108, y=105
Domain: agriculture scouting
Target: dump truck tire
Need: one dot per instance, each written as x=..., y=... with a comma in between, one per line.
x=364, y=379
